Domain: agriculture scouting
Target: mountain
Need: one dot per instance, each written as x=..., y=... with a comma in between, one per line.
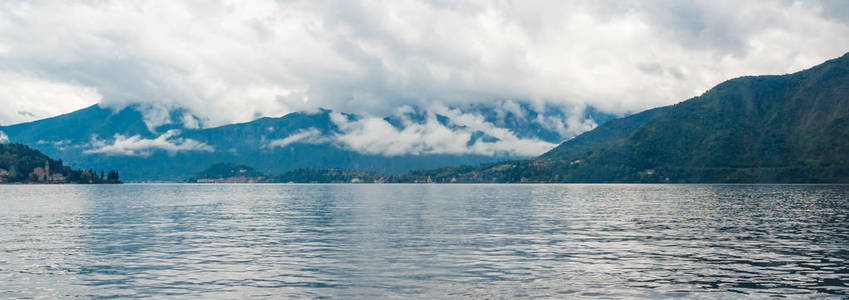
x=777, y=128
x=171, y=147
x=228, y=172
x=610, y=133
x=22, y=164
x=328, y=176
x=235, y=173
x=81, y=125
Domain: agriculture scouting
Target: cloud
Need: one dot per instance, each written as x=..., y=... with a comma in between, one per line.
x=138, y=146
x=439, y=130
x=572, y=125
x=3, y=138
x=28, y=98
x=61, y=145
x=377, y=136
x=231, y=62
x=311, y=136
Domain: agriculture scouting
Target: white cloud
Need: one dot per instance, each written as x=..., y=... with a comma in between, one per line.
x=373, y=135
x=28, y=98
x=423, y=132
x=3, y=138
x=509, y=106
x=155, y=116
x=311, y=136
x=189, y=121
x=227, y=61
x=573, y=125
x=138, y=146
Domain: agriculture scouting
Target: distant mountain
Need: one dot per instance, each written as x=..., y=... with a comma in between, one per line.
x=79, y=126
x=228, y=172
x=787, y=128
x=225, y=170
x=172, y=147
x=328, y=176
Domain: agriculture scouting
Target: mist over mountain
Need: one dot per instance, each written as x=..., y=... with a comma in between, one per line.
x=173, y=145
x=776, y=128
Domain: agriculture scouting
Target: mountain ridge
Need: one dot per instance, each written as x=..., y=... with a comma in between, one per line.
x=115, y=139
x=769, y=128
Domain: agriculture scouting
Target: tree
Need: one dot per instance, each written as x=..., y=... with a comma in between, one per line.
x=112, y=176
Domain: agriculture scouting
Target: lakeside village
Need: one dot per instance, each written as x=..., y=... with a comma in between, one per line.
x=20, y=164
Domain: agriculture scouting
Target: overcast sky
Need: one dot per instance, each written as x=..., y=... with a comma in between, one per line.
x=229, y=61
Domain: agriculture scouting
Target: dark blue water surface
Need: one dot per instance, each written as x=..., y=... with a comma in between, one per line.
x=428, y=241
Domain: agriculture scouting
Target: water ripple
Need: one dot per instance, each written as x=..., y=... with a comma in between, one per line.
x=424, y=241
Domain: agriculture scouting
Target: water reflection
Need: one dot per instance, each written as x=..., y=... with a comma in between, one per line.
x=362, y=241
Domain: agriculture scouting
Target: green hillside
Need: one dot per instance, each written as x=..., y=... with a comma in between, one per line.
x=226, y=170
x=791, y=128
x=22, y=164
x=787, y=128
x=327, y=176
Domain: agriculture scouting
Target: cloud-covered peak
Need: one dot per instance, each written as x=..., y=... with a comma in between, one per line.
x=506, y=128
x=228, y=62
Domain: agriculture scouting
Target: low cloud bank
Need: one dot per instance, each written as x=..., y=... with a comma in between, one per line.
x=461, y=133
x=138, y=146
x=309, y=136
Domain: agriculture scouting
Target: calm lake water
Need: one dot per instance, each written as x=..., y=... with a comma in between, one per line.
x=429, y=241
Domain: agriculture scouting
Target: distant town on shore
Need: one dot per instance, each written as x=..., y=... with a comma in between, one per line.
x=22, y=164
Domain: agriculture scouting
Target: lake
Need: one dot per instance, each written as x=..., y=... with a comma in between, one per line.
x=427, y=241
